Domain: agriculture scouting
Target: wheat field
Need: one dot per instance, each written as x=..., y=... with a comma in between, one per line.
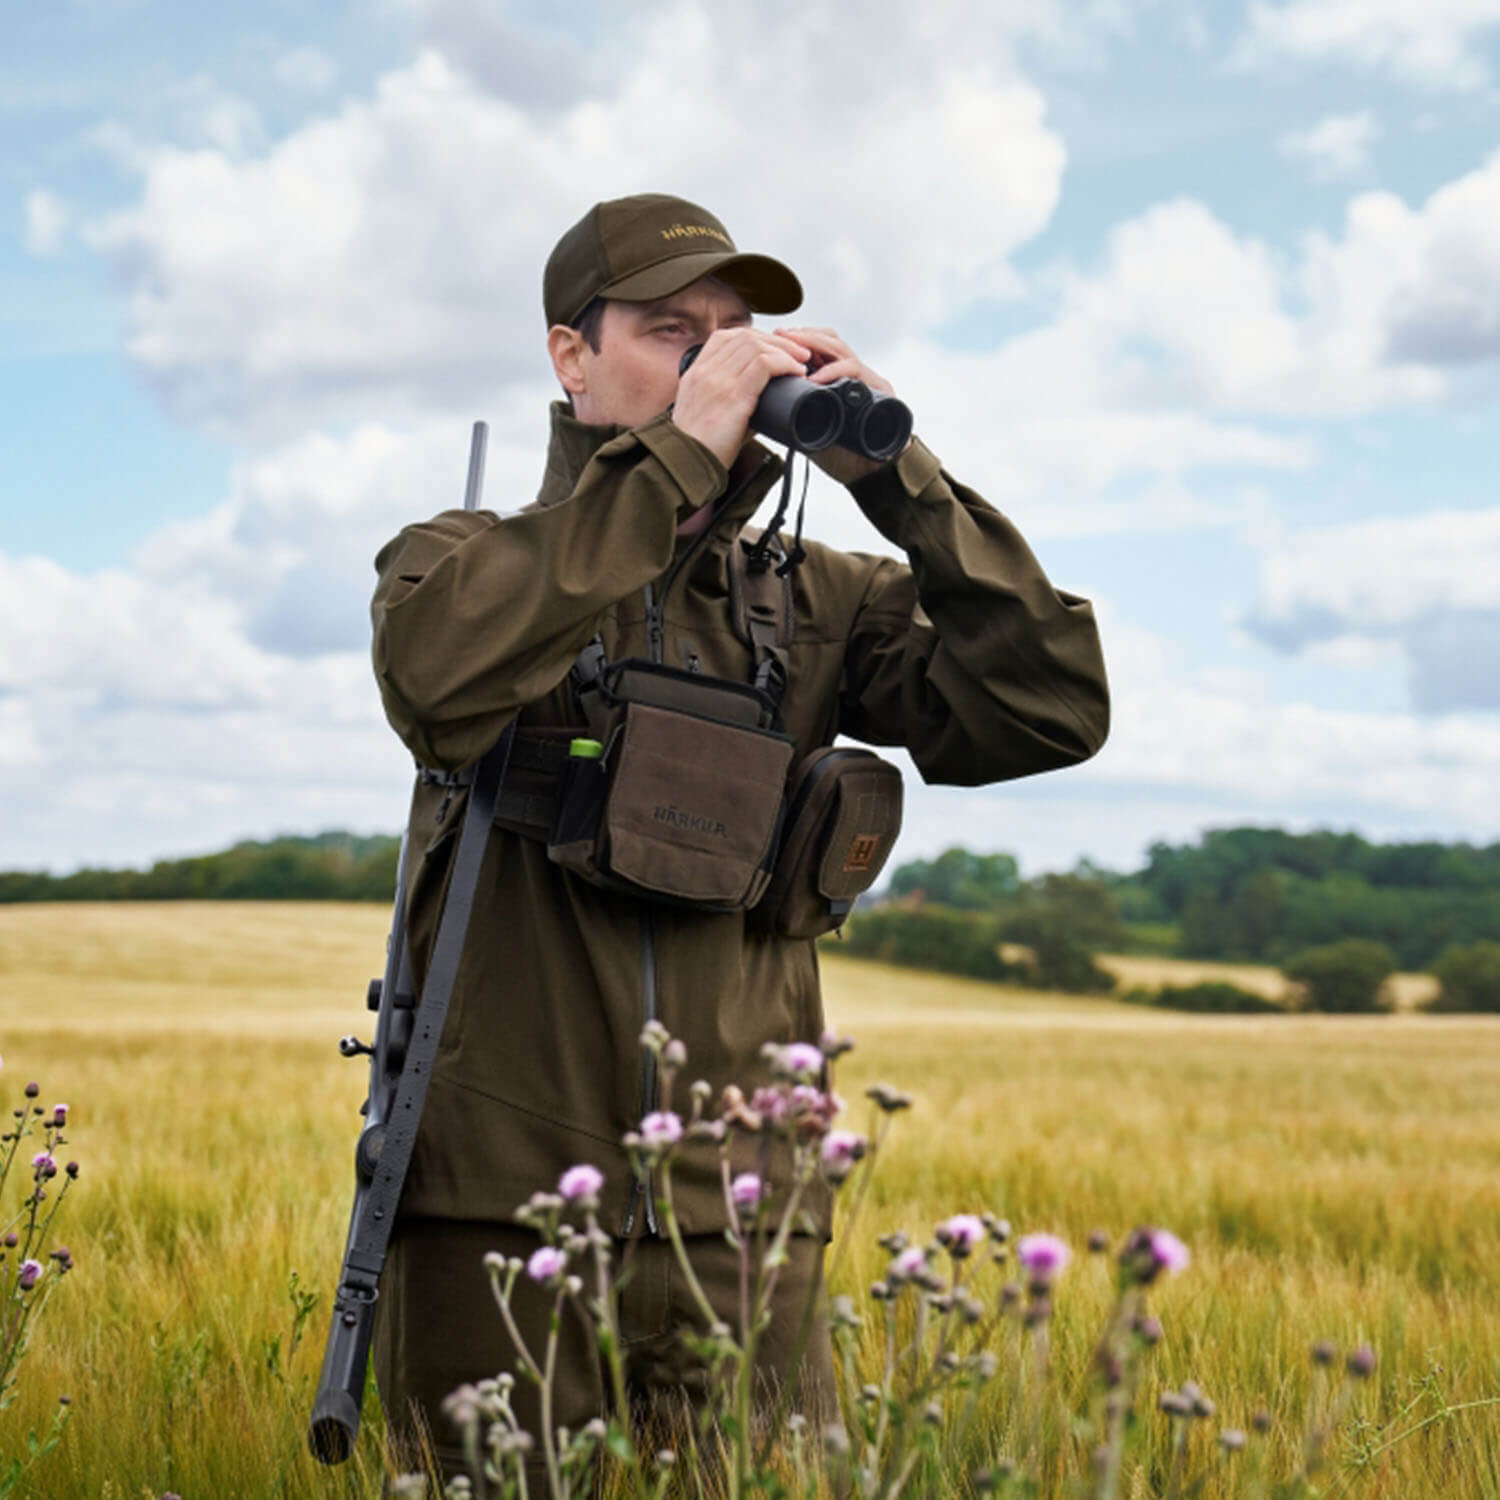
x=1335, y=1178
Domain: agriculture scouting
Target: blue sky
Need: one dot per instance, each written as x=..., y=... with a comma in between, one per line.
x=1206, y=296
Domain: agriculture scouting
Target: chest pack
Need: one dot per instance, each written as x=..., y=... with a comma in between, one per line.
x=686, y=789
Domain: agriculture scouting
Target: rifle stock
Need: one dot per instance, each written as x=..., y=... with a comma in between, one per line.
x=333, y=1428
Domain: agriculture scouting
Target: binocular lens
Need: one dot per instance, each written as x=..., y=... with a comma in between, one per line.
x=885, y=426
x=817, y=419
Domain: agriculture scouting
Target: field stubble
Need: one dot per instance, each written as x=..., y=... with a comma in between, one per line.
x=1335, y=1178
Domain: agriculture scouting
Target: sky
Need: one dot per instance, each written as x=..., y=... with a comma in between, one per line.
x=1206, y=297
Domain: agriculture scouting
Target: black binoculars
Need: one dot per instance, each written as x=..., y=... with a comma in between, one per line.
x=803, y=415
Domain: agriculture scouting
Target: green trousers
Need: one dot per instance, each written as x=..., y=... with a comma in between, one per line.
x=437, y=1327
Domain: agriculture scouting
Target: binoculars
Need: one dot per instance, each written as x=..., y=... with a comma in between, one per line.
x=806, y=416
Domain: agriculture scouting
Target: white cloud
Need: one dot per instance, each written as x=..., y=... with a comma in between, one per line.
x=1194, y=747
x=1426, y=585
x=307, y=69
x=1180, y=731
x=46, y=219
x=210, y=115
x=388, y=258
x=1185, y=316
x=1435, y=42
x=1337, y=146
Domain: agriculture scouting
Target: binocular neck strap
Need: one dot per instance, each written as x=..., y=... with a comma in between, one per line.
x=759, y=556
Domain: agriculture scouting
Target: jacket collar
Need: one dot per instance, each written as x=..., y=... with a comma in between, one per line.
x=574, y=443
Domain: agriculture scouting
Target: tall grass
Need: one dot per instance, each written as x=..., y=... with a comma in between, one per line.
x=1335, y=1178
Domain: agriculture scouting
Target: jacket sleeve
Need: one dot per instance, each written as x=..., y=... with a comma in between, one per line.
x=475, y=615
x=969, y=657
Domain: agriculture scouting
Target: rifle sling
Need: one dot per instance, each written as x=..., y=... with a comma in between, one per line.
x=372, y=1238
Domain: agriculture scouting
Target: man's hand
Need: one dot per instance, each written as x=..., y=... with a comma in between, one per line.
x=832, y=359
x=717, y=395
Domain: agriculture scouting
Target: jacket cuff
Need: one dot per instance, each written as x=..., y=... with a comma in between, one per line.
x=885, y=495
x=694, y=469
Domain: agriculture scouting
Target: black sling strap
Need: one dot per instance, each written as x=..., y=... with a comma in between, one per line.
x=386, y=1145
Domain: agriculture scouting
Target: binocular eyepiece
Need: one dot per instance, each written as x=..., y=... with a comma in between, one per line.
x=804, y=415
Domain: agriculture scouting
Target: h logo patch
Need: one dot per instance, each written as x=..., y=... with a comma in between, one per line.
x=862, y=851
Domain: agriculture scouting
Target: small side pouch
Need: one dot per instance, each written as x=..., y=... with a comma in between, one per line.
x=844, y=812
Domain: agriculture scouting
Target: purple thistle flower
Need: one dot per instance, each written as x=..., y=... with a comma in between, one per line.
x=581, y=1184
x=32, y=1090
x=770, y=1104
x=1044, y=1257
x=746, y=1190
x=1148, y=1252
x=961, y=1233
x=661, y=1128
x=546, y=1264
x=841, y=1149
x=1169, y=1253
x=43, y=1165
x=832, y=1045
x=31, y=1271
x=910, y=1262
x=59, y=1115
x=800, y=1060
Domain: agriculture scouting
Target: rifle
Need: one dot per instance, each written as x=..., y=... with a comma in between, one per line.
x=407, y=1031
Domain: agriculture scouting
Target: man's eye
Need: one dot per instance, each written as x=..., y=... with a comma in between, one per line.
x=671, y=328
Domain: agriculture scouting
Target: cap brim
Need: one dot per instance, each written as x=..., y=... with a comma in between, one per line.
x=766, y=285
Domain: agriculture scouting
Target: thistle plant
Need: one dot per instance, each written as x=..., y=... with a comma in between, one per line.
x=31, y=1263
x=958, y=1324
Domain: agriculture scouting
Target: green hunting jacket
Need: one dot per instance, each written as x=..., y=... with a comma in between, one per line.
x=965, y=654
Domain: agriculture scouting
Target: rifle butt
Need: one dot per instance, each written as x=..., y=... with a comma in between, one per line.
x=334, y=1428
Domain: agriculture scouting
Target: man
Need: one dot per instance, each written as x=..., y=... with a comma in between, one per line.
x=965, y=654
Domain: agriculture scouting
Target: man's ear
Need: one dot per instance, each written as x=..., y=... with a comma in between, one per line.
x=565, y=345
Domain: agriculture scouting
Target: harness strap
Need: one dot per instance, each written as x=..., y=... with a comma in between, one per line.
x=760, y=607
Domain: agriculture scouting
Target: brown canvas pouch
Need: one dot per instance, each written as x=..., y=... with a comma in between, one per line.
x=844, y=812
x=685, y=804
x=694, y=807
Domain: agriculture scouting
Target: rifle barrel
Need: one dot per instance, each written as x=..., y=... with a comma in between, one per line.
x=475, y=486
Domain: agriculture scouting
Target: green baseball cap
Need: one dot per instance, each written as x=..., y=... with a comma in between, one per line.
x=648, y=246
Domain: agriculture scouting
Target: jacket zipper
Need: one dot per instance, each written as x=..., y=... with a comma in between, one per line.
x=641, y=1186
x=656, y=650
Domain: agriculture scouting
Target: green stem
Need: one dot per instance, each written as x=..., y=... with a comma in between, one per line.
x=549, y=1437
x=1179, y=1450
x=609, y=1315
x=674, y=1234
x=1416, y=1427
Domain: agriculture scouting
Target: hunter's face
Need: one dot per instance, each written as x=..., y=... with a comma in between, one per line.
x=633, y=377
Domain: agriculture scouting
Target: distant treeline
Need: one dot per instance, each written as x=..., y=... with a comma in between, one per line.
x=1250, y=894
x=325, y=867
x=1263, y=895
x=1258, y=895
